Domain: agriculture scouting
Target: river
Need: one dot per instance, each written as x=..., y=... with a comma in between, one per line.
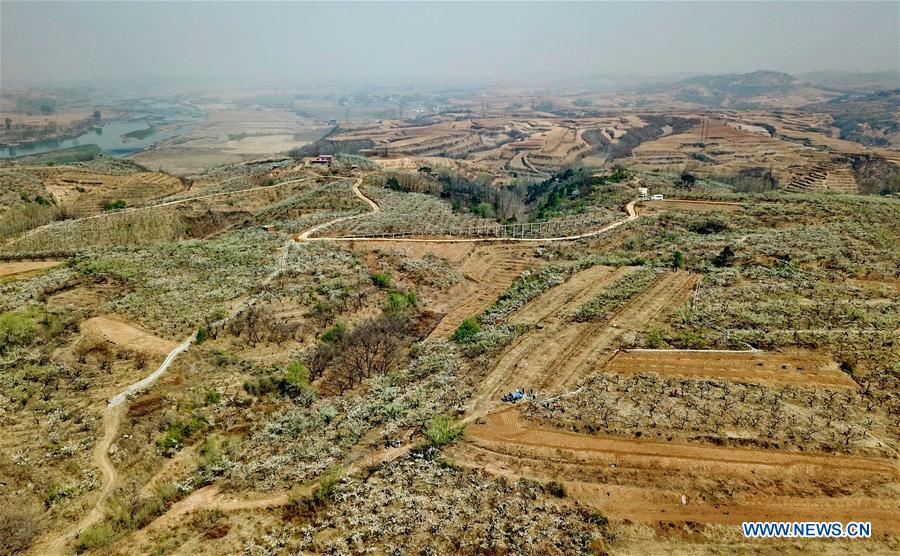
x=161, y=120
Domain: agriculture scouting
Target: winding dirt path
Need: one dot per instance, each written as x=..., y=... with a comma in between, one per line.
x=112, y=416
x=631, y=214
x=210, y=495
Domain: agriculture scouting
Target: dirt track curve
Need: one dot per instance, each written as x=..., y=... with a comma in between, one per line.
x=306, y=236
x=113, y=412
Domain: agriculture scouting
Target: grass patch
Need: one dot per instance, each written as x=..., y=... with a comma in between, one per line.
x=80, y=153
x=442, y=430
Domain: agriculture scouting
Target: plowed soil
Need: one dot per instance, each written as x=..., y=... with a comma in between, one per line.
x=559, y=353
x=759, y=367
x=648, y=480
x=487, y=272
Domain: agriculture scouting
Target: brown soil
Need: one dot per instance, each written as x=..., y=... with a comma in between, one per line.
x=568, y=296
x=559, y=353
x=779, y=368
x=127, y=335
x=644, y=480
x=9, y=269
x=488, y=271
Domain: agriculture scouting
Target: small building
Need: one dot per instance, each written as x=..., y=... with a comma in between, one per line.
x=644, y=192
x=322, y=159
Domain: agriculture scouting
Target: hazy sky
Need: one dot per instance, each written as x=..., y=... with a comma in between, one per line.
x=258, y=43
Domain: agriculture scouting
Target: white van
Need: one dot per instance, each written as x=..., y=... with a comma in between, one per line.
x=656, y=197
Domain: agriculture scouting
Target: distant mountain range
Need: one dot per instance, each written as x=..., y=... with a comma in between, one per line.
x=852, y=80
x=759, y=88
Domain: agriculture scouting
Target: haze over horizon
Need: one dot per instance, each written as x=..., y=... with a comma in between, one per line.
x=265, y=43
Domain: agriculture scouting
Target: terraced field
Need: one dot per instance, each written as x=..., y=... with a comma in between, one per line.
x=651, y=481
x=559, y=352
x=746, y=366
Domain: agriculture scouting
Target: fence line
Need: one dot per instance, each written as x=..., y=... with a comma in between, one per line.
x=550, y=228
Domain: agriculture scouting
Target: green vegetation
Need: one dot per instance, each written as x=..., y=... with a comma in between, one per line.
x=177, y=432
x=328, y=484
x=68, y=155
x=442, y=430
x=573, y=191
x=140, y=133
x=381, y=280
x=118, y=204
x=466, y=330
x=292, y=382
x=335, y=333
x=396, y=302
x=128, y=510
x=22, y=327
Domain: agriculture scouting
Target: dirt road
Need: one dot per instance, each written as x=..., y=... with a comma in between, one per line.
x=204, y=497
x=111, y=417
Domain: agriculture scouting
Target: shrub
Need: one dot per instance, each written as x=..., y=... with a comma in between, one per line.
x=328, y=484
x=19, y=526
x=57, y=493
x=335, y=333
x=118, y=204
x=466, y=330
x=201, y=336
x=381, y=279
x=177, y=432
x=292, y=383
x=598, y=519
x=677, y=260
x=17, y=328
x=655, y=338
x=95, y=537
x=725, y=257
x=555, y=488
